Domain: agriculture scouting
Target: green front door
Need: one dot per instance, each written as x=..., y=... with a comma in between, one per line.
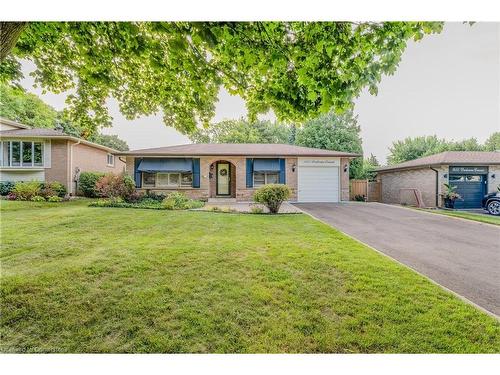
x=223, y=179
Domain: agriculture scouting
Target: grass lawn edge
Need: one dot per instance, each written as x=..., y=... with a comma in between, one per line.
x=465, y=299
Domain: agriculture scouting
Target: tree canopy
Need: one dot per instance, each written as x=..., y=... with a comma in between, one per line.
x=26, y=108
x=416, y=147
x=493, y=142
x=334, y=132
x=297, y=69
x=244, y=131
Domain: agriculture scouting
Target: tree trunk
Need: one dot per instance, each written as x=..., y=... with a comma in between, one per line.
x=9, y=33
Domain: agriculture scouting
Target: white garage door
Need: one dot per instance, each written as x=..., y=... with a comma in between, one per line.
x=318, y=184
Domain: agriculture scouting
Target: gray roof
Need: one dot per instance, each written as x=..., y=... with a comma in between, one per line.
x=32, y=132
x=236, y=149
x=447, y=158
x=50, y=133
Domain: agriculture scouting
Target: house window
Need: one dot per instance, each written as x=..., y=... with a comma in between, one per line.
x=167, y=180
x=110, y=160
x=264, y=178
x=21, y=154
x=148, y=179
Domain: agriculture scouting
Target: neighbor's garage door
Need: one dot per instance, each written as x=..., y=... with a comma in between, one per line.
x=318, y=182
x=471, y=188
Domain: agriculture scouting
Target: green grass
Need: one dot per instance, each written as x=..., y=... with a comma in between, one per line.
x=490, y=219
x=86, y=279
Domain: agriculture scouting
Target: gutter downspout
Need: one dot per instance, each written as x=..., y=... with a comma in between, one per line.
x=71, y=166
x=437, y=185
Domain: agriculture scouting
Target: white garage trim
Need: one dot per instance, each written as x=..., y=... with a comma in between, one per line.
x=318, y=180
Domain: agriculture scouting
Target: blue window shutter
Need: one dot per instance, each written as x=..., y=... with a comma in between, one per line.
x=196, y=173
x=249, y=173
x=282, y=171
x=137, y=174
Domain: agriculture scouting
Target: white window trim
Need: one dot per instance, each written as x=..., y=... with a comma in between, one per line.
x=265, y=177
x=157, y=186
x=22, y=164
x=107, y=160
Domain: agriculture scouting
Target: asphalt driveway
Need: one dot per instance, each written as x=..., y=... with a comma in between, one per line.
x=463, y=256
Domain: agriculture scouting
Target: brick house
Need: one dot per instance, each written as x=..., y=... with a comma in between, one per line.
x=473, y=173
x=234, y=171
x=42, y=154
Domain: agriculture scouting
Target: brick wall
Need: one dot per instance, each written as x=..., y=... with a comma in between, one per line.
x=344, y=179
x=238, y=178
x=59, y=163
x=423, y=179
x=493, y=182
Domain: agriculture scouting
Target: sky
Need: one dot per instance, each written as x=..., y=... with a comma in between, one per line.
x=447, y=84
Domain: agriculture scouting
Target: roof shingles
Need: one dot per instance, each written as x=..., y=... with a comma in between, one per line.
x=448, y=157
x=234, y=149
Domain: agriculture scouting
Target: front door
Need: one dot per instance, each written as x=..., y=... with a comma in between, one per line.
x=223, y=178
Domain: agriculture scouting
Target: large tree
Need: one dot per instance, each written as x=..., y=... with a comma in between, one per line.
x=297, y=69
x=26, y=108
x=334, y=132
x=244, y=131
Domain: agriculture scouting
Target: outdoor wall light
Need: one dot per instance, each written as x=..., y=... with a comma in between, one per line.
x=293, y=167
x=445, y=175
x=493, y=175
x=345, y=167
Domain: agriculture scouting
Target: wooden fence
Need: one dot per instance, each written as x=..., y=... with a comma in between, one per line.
x=370, y=190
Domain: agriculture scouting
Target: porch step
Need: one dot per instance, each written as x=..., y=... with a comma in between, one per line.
x=221, y=200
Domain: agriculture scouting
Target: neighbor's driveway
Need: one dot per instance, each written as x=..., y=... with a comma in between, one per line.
x=461, y=255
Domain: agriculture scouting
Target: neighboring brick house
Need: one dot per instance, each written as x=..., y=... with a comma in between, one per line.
x=234, y=171
x=474, y=173
x=41, y=154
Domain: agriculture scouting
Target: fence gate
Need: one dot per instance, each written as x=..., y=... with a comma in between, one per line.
x=369, y=190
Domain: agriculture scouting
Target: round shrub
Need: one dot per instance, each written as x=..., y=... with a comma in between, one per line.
x=6, y=187
x=179, y=201
x=37, y=198
x=272, y=196
x=24, y=191
x=87, y=183
x=54, y=198
x=115, y=185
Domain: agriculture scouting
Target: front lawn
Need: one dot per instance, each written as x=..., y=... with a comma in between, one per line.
x=88, y=279
x=490, y=219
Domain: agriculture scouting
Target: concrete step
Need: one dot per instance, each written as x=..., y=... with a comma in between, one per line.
x=221, y=200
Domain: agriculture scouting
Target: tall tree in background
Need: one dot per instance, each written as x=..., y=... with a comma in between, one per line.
x=493, y=142
x=334, y=132
x=416, y=147
x=26, y=108
x=243, y=131
x=299, y=70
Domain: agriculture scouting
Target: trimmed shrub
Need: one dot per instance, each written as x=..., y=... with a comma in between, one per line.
x=37, y=198
x=11, y=197
x=272, y=196
x=359, y=198
x=48, y=189
x=156, y=196
x=179, y=201
x=54, y=198
x=87, y=183
x=6, y=187
x=24, y=191
x=115, y=185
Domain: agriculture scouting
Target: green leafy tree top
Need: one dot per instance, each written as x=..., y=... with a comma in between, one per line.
x=298, y=69
x=243, y=131
x=493, y=142
x=334, y=132
x=416, y=147
x=26, y=108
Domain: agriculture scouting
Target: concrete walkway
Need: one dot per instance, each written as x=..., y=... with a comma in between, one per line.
x=285, y=208
x=462, y=255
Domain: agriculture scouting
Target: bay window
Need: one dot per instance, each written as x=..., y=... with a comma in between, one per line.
x=21, y=154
